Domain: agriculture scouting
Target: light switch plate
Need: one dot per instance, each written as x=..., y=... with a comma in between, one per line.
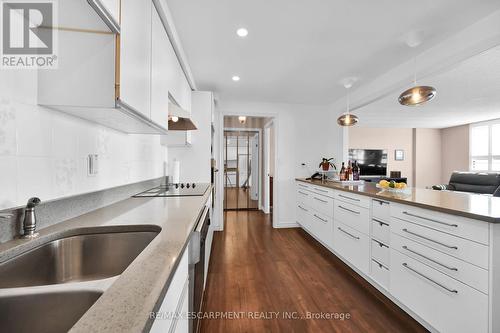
x=92, y=165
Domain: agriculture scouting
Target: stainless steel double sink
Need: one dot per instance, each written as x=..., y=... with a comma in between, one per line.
x=69, y=261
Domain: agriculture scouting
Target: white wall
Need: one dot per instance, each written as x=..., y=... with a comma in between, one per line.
x=428, y=157
x=389, y=139
x=303, y=135
x=195, y=160
x=43, y=152
x=455, y=151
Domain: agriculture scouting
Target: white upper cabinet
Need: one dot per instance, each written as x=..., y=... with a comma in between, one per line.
x=135, y=55
x=112, y=7
x=160, y=71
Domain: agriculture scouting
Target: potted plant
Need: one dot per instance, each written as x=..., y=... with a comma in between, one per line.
x=326, y=164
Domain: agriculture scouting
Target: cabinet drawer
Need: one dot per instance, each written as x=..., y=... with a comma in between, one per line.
x=381, y=209
x=381, y=231
x=381, y=253
x=303, y=196
x=322, y=227
x=469, y=274
x=322, y=204
x=304, y=186
x=445, y=303
x=354, y=216
x=380, y=274
x=302, y=214
x=352, y=245
x=477, y=231
x=356, y=199
x=322, y=190
x=457, y=247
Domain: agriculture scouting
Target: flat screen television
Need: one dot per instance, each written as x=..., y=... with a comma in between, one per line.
x=372, y=162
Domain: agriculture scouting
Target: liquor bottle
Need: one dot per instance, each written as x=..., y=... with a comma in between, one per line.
x=342, y=173
x=349, y=171
x=355, y=171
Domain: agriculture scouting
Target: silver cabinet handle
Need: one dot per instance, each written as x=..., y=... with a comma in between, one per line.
x=430, y=239
x=302, y=185
x=431, y=220
x=381, y=202
x=346, y=197
x=348, y=233
x=321, y=200
x=380, y=243
x=380, y=222
x=321, y=190
x=304, y=193
x=379, y=264
x=302, y=208
x=405, y=265
x=349, y=210
x=6, y=216
x=319, y=218
x=425, y=257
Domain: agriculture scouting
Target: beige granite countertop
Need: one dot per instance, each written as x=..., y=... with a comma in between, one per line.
x=126, y=305
x=476, y=206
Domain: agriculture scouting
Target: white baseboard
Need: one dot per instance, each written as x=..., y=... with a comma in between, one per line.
x=281, y=225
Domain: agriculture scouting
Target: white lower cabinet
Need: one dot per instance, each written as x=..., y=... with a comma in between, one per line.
x=321, y=227
x=438, y=266
x=302, y=214
x=172, y=314
x=352, y=245
x=445, y=303
x=380, y=273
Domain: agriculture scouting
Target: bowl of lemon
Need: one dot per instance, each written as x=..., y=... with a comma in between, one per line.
x=392, y=186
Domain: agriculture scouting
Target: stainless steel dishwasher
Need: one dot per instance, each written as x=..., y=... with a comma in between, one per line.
x=197, y=268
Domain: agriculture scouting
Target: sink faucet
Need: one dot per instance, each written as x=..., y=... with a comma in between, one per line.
x=29, y=223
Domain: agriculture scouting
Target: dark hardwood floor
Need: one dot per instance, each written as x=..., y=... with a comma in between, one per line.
x=255, y=268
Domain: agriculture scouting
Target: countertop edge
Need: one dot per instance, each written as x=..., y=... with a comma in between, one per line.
x=149, y=322
x=483, y=218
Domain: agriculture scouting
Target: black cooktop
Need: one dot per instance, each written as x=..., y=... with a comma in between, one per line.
x=176, y=190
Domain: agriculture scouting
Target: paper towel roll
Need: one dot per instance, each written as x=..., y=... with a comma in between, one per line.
x=176, y=172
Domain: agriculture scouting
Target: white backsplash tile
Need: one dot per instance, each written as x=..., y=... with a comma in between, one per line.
x=8, y=172
x=34, y=130
x=8, y=142
x=34, y=178
x=65, y=176
x=64, y=135
x=44, y=153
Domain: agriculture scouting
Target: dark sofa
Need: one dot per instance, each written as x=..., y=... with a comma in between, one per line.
x=473, y=182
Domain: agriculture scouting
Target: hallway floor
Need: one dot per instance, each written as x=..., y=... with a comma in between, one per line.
x=260, y=275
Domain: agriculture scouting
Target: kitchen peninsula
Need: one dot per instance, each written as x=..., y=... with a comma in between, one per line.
x=430, y=252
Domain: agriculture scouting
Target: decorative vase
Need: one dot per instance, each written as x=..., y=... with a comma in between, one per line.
x=325, y=166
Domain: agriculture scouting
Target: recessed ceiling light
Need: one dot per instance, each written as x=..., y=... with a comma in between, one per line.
x=242, y=32
x=236, y=78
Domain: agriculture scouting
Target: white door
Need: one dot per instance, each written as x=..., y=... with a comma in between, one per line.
x=254, y=146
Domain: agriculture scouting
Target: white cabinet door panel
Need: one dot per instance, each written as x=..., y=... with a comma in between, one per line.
x=445, y=303
x=352, y=245
x=135, y=55
x=159, y=72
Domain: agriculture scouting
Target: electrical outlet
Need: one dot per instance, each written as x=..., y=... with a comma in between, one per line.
x=92, y=165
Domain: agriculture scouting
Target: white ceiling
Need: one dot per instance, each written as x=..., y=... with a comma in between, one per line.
x=470, y=92
x=299, y=51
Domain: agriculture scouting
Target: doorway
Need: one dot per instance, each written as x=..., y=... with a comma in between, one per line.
x=241, y=169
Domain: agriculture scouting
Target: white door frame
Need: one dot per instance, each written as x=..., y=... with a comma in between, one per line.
x=266, y=152
x=220, y=175
x=259, y=131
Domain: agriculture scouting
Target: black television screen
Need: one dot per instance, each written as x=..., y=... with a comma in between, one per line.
x=372, y=162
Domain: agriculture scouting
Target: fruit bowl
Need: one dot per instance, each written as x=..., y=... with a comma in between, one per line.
x=391, y=189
